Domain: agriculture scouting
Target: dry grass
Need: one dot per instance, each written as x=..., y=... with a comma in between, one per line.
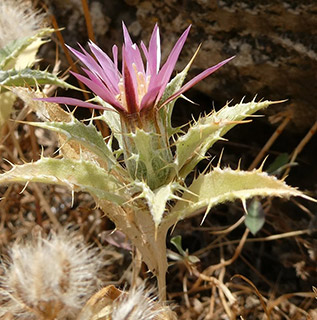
x=270, y=276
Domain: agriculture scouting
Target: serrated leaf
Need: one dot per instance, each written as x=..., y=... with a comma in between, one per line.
x=31, y=77
x=86, y=135
x=27, y=57
x=192, y=146
x=77, y=175
x=255, y=218
x=221, y=185
x=11, y=51
x=157, y=200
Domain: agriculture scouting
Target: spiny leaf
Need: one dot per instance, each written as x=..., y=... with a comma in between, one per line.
x=221, y=185
x=86, y=135
x=78, y=175
x=192, y=146
x=43, y=109
x=31, y=77
x=14, y=48
x=157, y=200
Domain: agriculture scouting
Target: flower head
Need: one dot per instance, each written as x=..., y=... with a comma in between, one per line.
x=48, y=278
x=139, y=86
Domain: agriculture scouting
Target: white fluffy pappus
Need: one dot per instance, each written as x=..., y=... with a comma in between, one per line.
x=139, y=304
x=48, y=278
x=18, y=20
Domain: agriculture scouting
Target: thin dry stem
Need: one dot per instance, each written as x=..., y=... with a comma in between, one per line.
x=210, y=270
x=269, y=143
x=90, y=29
x=46, y=206
x=301, y=146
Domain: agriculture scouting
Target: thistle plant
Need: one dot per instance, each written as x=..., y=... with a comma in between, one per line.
x=141, y=186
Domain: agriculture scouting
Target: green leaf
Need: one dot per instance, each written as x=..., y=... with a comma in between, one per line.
x=177, y=242
x=11, y=51
x=31, y=77
x=157, y=200
x=278, y=164
x=255, y=217
x=221, y=185
x=86, y=135
x=192, y=146
x=77, y=175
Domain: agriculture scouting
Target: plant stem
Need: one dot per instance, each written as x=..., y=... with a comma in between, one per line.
x=139, y=227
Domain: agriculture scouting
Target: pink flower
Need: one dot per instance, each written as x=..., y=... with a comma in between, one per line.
x=138, y=86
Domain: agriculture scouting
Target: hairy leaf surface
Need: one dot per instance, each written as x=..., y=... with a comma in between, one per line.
x=77, y=175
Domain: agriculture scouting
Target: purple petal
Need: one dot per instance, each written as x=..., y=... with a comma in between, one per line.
x=92, y=77
x=85, y=58
x=129, y=86
x=101, y=56
x=115, y=55
x=105, y=74
x=127, y=67
x=102, y=91
x=165, y=73
x=89, y=61
x=72, y=102
x=132, y=52
x=195, y=80
x=150, y=98
x=146, y=54
x=99, y=81
x=133, y=56
x=126, y=36
x=154, y=57
x=145, y=51
x=111, y=74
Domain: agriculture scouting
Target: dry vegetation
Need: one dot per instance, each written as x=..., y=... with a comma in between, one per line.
x=267, y=276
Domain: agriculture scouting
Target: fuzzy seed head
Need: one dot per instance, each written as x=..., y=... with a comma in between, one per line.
x=48, y=278
x=18, y=20
x=138, y=304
